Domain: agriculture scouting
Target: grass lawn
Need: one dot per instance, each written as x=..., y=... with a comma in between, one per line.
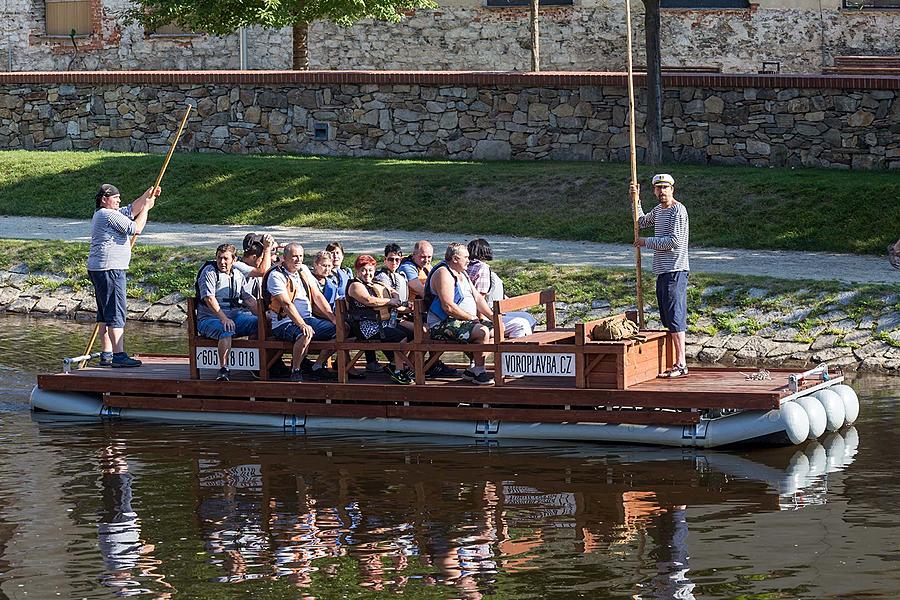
x=158, y=271
x=738, y=207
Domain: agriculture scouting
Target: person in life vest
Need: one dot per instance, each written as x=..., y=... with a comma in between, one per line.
x=488, y=284
x=456, y=310
x=416, y=268
x=289, y=299
x=260, y=252
x=391, y=277
x=322, y=269
x=340, y=276
x=373, y=310
x=669, y=243
x=894, y=255
x=226, y=308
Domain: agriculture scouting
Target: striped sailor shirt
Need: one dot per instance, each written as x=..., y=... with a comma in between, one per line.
x=670, y=240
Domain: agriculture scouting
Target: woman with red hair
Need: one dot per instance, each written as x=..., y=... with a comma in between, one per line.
x=372, y=311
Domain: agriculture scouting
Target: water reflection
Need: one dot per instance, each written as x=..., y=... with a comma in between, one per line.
x=99, y=510
x=389, y=514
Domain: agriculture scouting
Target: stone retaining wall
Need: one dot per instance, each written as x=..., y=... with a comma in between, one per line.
x=839, y=340
x=827, y=121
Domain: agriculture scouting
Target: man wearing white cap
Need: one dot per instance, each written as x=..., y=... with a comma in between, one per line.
x=670, y=263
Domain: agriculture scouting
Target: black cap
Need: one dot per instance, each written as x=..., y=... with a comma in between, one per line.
x=107, y=190
x=253, y=239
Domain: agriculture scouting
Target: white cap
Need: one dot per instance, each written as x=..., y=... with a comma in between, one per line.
x=663, y=178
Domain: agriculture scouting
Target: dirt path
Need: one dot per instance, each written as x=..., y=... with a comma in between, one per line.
x=772, y=263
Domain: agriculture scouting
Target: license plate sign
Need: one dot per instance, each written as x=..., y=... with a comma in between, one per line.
x=527, y=364
x=241, y=359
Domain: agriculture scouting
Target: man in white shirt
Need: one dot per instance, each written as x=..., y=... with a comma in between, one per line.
x=290, y=311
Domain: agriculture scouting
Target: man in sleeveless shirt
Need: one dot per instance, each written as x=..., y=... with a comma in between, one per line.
x=416, y=268
x=457, y=310
x=670, y=262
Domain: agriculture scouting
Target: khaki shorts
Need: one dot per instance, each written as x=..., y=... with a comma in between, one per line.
x=455, y=330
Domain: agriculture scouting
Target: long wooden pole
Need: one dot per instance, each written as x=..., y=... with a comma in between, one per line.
x=635, y=197
x=162, y=171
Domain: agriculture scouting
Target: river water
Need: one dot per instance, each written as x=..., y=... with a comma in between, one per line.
x=103, y=509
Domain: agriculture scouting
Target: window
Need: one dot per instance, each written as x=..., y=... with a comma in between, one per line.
x=172, y=30
x=851, y=4
x=64, y=16
x=702, y=4
x=502, y=3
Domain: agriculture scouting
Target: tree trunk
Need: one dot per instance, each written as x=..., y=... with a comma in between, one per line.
x=653, y=122
x=535, y=37
x=301, y=46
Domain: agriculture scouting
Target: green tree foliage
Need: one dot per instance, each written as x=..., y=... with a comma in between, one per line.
x=222, y=17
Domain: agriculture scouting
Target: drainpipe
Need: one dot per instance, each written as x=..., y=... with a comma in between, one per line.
x=242, y=35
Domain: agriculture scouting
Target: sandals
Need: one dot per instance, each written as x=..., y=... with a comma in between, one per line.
x=674, y=372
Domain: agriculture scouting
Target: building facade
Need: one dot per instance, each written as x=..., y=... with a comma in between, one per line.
x=737, y=36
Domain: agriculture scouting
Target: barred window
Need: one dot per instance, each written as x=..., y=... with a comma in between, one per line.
x=502, y=3
x=64, y=16
x=703, y=4
x=851, y=4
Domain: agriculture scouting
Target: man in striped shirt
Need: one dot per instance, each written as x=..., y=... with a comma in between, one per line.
x=670, y=262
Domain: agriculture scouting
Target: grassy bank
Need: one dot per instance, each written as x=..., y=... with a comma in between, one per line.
x=738, y=207
x=718, y=303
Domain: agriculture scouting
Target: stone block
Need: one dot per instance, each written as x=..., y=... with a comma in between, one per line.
x=46, y=304
x=22, y=305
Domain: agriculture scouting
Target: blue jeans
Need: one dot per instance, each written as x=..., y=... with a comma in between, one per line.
x=212, y=328
x=323, y=329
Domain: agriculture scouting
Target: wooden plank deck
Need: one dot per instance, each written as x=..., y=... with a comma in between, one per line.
x=164, y=383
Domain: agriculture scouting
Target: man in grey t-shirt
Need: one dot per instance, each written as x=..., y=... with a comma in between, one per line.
x=226, y=309
x=111, y=231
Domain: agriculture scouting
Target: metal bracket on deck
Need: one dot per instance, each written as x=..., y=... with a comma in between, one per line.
x=294, y=422
x=487, y=427
x=696, y=431
x=796, y=379
x=110, y=412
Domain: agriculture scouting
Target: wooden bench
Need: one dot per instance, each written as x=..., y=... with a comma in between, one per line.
x=350, y=349
x=195, y=340
x=620, y=364
x=865, y=65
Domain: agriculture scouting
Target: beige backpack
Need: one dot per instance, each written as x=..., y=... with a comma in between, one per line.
x=614, y=329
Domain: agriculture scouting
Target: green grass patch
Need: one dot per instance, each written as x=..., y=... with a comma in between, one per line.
x=740, y=207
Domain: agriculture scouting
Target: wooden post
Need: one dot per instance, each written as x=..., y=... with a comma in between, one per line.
x=498, y=338
x=635, y=197
x=535, y=36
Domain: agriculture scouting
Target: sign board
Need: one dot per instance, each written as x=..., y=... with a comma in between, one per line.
x=241, y=359
x=528, y=364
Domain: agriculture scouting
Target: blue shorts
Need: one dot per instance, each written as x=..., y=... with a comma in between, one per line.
x=671, y=294
x=212, y=328
x=323, y=330
x=109, y=288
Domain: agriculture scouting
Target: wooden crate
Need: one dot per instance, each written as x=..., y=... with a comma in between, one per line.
x=621, y=364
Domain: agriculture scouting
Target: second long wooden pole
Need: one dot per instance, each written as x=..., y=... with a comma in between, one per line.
x=92, y=340
x=635, y=197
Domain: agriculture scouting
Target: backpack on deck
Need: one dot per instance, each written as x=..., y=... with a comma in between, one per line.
x=615, y=329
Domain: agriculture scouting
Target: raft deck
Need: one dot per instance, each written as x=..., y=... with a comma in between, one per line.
x=164, y=383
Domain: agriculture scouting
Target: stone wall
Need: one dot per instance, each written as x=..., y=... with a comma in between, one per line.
x=761, y=120
x=802, y=36
x=780, y=337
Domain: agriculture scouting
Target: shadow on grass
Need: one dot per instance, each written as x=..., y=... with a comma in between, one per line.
x=729, y=206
